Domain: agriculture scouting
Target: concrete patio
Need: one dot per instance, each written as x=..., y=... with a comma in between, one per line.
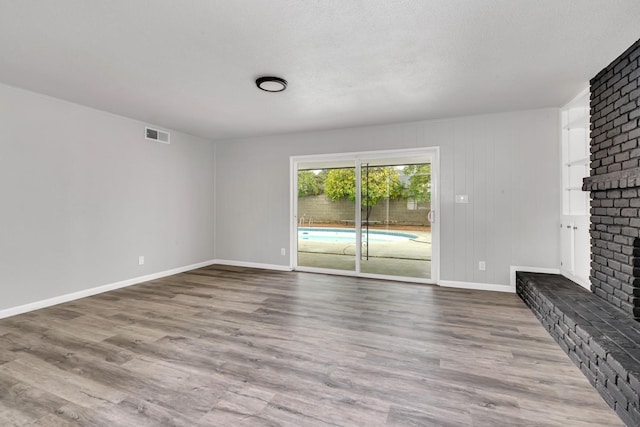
x=408, y=258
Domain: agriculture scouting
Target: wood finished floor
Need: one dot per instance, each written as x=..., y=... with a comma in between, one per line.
x=223, y=346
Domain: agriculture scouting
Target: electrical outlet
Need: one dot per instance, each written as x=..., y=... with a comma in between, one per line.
x=283, y=251
x=141, y=260
x=482, y=266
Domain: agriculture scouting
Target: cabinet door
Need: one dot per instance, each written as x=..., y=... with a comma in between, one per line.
x=582, y=250
x=567, y=237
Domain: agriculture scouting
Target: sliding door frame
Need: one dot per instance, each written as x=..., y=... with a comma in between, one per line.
x=433, y=153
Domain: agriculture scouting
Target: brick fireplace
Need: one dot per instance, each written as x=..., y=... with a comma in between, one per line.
x=614, y=182
x=596, y=329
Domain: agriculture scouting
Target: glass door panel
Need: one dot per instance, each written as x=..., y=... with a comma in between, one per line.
x=395, y=217
x=370, y=214
x=326, y=215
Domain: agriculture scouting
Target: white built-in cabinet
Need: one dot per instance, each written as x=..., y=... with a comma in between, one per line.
x=575, y=246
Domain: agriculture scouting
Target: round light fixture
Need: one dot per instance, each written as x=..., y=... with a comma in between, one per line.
x=271, y=84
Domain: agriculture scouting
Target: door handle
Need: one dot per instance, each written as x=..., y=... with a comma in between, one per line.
x=431, y=216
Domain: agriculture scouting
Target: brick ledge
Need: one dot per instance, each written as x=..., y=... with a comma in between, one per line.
x=613, y=180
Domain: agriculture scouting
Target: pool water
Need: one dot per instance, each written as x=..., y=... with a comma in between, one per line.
x=348, y=235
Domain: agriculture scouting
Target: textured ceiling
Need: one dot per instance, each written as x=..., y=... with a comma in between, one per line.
x=191, y=65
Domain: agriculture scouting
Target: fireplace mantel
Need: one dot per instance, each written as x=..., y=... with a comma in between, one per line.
x=627, y=178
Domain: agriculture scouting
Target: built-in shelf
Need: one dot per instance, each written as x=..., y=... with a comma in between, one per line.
x=575, y=154
x=577, y=162
x=574, y=219
x=579, y=122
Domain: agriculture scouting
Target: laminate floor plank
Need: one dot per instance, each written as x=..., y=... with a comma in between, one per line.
x=82, y=391
x=22, y=403
x=233, y=346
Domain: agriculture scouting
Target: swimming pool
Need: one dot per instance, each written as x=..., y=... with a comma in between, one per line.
x=348, y=235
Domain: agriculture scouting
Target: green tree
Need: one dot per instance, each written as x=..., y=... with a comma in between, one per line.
x=309, y=183
x=419, y=187
x=378, y=183
x=340, y=183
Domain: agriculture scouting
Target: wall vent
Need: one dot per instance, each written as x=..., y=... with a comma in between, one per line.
x=156, y=135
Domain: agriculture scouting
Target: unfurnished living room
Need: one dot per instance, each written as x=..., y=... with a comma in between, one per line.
x=320, y=213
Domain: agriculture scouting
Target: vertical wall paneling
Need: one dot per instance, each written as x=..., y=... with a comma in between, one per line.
x=518, y=185
x=479, y=207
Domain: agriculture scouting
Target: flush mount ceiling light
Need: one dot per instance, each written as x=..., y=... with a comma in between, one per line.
x=271, y=84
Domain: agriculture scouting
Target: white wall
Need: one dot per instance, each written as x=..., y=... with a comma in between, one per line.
x=506, y=163
x=83, y=194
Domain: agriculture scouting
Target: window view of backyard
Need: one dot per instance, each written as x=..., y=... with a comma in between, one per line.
x=395, y=226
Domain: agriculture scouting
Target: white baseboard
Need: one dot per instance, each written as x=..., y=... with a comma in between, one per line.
x=514, y=268
x=98, y=290
x=252, y=265
x=112, y=286
x=477, y=286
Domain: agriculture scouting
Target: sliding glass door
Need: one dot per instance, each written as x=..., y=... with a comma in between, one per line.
x=326, y=218
x=368, y=214
x=396, y=212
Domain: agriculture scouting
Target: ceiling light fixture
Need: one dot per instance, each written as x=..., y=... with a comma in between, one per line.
x=271, y=84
